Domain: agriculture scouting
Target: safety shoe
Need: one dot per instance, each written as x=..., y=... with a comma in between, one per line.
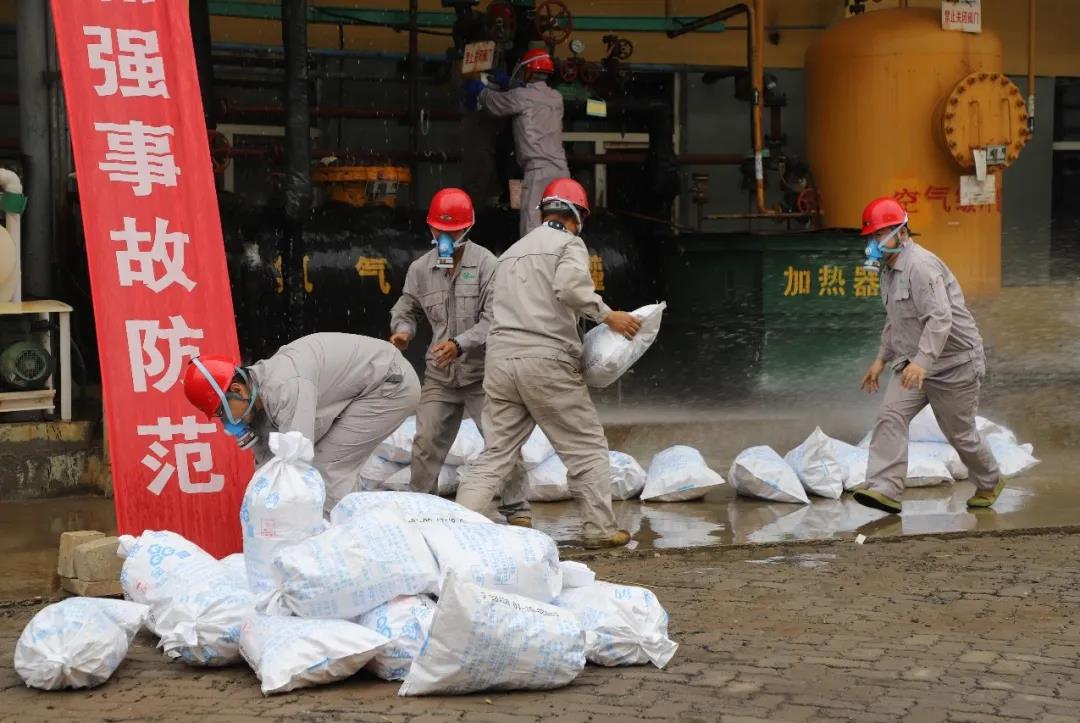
x=619, y=539
x=987, y=498
x=520, y=521
x=877, y=501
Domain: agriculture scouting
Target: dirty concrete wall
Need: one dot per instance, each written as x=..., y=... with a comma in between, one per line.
x=47, y=459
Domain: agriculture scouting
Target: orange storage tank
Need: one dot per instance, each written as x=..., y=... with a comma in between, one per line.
x=895, y=107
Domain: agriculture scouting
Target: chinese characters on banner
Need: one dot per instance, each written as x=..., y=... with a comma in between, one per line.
x=157, y=261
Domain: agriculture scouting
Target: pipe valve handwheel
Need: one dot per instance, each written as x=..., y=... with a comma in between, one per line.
x=553, y=22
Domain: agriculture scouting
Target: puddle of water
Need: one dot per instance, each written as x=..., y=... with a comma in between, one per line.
x=805, y=561
x=30, y=535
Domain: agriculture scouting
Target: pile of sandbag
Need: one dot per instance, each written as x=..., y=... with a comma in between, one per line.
x=827, y=467
x=410, y=587
x=388, y=468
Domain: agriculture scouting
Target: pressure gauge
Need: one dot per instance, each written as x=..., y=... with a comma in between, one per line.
x=578, y=46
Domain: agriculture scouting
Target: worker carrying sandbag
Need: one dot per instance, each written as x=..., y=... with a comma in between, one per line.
x=537, y=110
x=933, y=345
x=345, y=392
x=451, y=286
x=533, y=370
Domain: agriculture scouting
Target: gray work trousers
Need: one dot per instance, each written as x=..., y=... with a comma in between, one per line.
x=953, y=395
x=532, y=190
x=524, y=393
x=437, y=421
x=362, y=425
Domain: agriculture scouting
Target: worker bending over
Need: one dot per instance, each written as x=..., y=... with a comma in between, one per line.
x=344, y=392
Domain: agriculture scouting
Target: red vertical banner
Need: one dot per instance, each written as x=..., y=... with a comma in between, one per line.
x=157, y=261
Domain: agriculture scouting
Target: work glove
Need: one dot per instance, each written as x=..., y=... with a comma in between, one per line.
x=500, y=78
x=472, y=94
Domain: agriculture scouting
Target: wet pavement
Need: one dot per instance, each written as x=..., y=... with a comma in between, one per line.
x=1033, y=339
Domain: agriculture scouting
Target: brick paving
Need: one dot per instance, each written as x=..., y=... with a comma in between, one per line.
x=971, y=629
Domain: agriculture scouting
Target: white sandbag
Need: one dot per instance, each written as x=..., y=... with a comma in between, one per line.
x=377, y=470
x=401, y=480
x=546, y=482
x=287, y=653
x=537, y=449
x=200, y=623
x=945, y=452
x=679, y=474
x=627, y=476
x=856, y=459
x=468, y=444
x=502, y=558
x=398, y=446
x=925, y=470
x=818, y=467
x=352, y=567
x=283, y=504
x=576, y=574
x=486, y=640
x=77, y=643
x=761, y=472
x=405, y=622
x=1013, y=459
x=412, y=506
x=993, y=429
x=156, y=558
x=236, y=568
x=623, y=624
x=924, y=427
x=608, y=355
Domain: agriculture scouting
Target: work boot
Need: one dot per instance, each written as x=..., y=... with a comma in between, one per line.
x=520, y=521
x=877, y=501
x=987, y=498
x=619, y=539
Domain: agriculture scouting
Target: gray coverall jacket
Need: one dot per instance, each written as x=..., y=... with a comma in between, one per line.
x=344, y=392
x=538, y=121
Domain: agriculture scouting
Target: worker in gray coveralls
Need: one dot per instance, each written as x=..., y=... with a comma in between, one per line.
x=931, y=341
x=344, y=392
x=451, y=287
x=534, y=364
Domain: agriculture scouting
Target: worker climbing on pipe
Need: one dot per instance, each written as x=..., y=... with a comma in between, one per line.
x=537, y=110
x=533, y=375
x=931, y=341
x=451, y=286
x=344, y=392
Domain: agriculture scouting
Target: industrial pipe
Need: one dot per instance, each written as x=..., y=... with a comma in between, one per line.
x=414, y=97
x=298, y=193
x=34, y=117
x=755, y=38
x=199, y=19
x=1031, y=67
x=233, y=112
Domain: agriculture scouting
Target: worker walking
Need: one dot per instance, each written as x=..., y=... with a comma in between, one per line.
x=451, y=286
x=932, y=343
x=344, y=392
x=537, y=110
x=534, y=364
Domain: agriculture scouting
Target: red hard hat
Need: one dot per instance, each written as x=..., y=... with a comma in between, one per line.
x=537, y=60
x=566, y=191
x=198, y=387
x=451, y=209
x=882, y=213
